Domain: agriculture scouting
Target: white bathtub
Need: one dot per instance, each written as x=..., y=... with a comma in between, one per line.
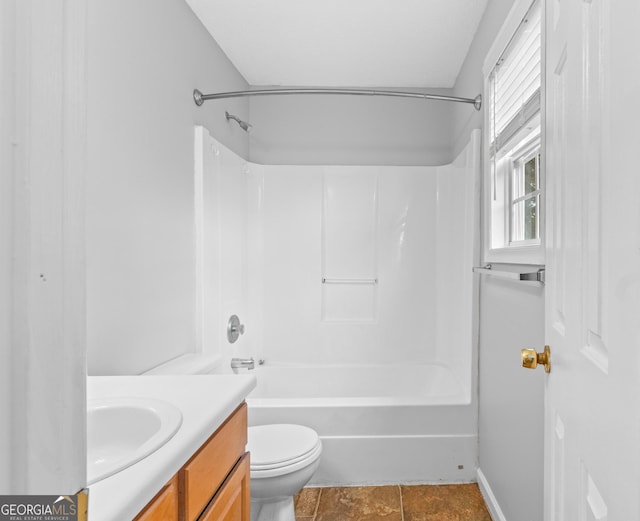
x=411, y=423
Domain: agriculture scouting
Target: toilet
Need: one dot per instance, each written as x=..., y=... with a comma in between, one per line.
x=283, y=459
x=283, y=456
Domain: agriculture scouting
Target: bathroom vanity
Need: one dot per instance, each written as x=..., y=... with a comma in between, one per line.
x=202, y=472
x=213, y=484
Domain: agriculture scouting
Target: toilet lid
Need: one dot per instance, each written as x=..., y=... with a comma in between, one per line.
x=276, y=445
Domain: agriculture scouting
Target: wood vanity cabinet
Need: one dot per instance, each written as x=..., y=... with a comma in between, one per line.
x=214, y=484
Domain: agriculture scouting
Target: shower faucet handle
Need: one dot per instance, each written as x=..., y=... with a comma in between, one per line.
x=234, y=329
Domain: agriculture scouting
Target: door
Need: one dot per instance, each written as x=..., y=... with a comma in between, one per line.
x=592, y=462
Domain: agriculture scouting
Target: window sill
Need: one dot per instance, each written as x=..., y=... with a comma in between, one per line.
x=533, y=255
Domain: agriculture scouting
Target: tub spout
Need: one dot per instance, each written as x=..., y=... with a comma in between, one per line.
x=243, y=363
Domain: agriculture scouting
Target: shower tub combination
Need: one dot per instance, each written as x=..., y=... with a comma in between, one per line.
x=356, y=287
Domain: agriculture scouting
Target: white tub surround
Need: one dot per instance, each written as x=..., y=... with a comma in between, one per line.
x=359, y=264
x=205, y=402
x=365, y=264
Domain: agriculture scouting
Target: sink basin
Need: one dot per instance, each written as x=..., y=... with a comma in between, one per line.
x=122, y=431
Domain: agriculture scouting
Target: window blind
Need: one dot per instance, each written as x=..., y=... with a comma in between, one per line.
x=515, y=81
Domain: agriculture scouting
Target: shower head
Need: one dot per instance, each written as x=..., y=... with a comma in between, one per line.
x=243, y=124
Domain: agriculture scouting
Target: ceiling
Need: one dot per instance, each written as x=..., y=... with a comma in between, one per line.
x=344, y=43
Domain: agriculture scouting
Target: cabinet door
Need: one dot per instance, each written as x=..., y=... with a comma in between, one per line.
x=163, y=507
x=233, y=500
x=206, y=471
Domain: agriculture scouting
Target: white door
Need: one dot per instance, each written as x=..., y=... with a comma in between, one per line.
x=592, y=456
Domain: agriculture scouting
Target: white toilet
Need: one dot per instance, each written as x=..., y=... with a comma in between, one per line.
x=283, y=456
x=283, y=459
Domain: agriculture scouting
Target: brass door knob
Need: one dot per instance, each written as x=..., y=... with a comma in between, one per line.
x=531, y=359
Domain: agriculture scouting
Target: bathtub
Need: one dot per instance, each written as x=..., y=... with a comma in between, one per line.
x=379, y=424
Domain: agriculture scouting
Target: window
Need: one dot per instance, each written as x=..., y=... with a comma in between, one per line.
x=525, y=198
x=514, y=177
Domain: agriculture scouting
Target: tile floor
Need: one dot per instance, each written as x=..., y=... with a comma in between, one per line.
x=392, y=503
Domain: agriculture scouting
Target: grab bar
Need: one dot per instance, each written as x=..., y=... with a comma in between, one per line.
x=535, y=276
x=349, y=281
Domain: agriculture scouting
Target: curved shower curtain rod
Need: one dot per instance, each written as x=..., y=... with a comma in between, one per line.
x=200, y=98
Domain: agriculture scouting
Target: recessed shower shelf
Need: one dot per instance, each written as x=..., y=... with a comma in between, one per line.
x=534, y=276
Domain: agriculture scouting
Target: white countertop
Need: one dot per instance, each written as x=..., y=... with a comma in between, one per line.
x=205, y=401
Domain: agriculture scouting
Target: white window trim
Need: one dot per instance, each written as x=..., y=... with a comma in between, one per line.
x=533, y=254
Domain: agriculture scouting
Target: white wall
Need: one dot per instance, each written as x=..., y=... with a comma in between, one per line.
x=350, y=130
x=144, y=60
x=511, y=399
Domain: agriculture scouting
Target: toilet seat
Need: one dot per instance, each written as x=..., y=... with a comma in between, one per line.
x=281, y=448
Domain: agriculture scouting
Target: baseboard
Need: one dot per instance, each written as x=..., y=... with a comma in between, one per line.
x=489, y=498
